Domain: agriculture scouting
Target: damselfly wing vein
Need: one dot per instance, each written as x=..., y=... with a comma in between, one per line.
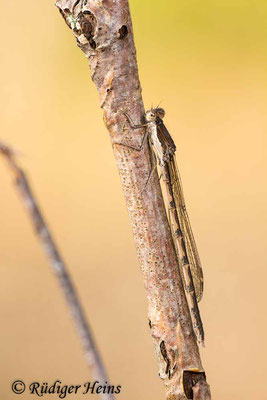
x=185, y=246
x=184, y=242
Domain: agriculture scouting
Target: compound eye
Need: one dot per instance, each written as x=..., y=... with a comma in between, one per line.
x=161, y=113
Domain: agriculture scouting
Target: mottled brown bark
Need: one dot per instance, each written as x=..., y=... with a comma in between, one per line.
x=103, y=30
x=201, y=391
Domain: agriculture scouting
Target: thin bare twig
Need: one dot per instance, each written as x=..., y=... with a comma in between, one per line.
x=59, y=268
x=103, y=31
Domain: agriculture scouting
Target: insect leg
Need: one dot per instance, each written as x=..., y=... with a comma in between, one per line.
x=131, y=146
x=131, y=123
x=149, y=176
x=144, y=139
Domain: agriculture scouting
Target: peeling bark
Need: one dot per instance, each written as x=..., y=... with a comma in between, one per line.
x=103, y=31
x=201, y=391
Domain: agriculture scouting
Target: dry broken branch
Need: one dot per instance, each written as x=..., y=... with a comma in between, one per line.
x=103, y=31
x=59, y=268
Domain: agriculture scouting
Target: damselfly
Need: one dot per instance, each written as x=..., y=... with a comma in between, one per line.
x=189, y=262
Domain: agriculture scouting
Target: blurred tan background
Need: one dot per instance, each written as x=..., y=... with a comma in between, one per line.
x=206, y=61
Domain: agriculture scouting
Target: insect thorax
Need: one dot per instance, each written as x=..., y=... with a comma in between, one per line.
x=153, y=132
